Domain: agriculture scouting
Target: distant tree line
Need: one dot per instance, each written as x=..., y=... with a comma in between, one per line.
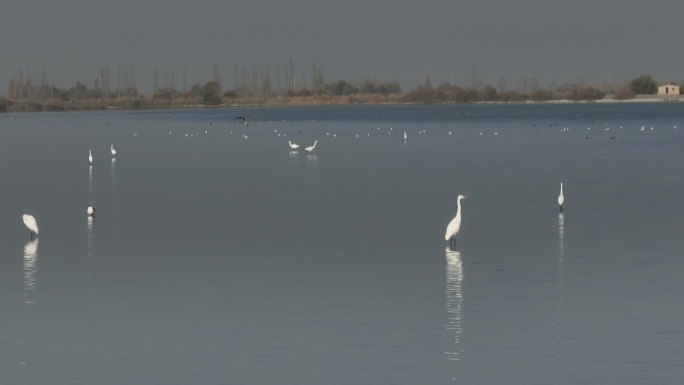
x=447, y=93
x=258, y=85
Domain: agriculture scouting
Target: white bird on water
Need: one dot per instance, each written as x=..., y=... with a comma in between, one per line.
x=113, y=151
x=405, y=136
x=293, y=146
x=90, y=157
x=561, y=198
x=311, y=148
x=455, y=224
x=90, y=211
x=30, y=222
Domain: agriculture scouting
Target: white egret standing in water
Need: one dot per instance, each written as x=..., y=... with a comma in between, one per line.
x=30, y=222
x=561, y=198
x=90, y=157
x=311, y=148
x=90, y=211
x=113, y=151
x=293, y=146
x=455, y=225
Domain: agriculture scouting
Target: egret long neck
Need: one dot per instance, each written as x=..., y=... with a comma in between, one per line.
x=458, y=208
x=561, y=193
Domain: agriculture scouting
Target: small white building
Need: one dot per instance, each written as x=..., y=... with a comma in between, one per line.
x=668, y=90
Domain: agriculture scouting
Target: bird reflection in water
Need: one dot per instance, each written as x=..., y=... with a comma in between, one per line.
x=30, y=270
x=454, y=302
x=112, y=193
x=113, y=168
x=561, y=274
x=561, y=251
x=311, y=160
x=89, y=270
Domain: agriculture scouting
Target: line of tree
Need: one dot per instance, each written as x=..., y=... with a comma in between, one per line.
x=255, y=86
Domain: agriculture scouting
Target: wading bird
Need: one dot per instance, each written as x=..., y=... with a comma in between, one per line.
x=561, y=198
x=311, y=148
x=293, y=146
x=30, y=222
x=455, y=224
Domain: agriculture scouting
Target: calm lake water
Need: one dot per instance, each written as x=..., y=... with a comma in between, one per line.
x=219, y=259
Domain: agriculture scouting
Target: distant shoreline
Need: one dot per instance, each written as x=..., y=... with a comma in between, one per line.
x=128, y=104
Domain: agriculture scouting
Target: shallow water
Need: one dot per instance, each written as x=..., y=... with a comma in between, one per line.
x=215, y=259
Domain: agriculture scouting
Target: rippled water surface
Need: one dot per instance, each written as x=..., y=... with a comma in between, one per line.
x=218, y=256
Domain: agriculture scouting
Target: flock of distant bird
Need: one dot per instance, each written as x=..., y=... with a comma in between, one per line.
x=30, y=221
x=452, y=229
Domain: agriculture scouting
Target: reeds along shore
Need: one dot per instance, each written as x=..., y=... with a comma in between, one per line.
x=420, y=96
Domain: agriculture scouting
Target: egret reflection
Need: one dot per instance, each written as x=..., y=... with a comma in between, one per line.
x=454, y=302
x=561, y=272
x=30, y=270
x=113, y=167
x=112, y=191
x=311, y=159
x=89, y=262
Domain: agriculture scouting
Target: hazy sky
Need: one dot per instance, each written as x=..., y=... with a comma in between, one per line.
x=352, y=39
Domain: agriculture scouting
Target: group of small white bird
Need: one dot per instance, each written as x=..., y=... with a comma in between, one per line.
x=295, y=146
x=30, y=220
x=455, y=225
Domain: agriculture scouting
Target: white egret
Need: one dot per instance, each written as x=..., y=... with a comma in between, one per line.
x=90, y=157
x=311, y=148
x=113, y=151
x=405, y=136
x=90, y=210
x=30, y=222
x=561, y=198
x=455, y=224
x=293, y=146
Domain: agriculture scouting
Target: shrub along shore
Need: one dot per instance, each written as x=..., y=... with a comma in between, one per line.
x=341, y=93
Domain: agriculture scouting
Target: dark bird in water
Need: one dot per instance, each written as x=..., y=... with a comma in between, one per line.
x=242, y=119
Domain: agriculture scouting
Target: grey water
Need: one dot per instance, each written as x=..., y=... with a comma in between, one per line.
x=216, y=258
